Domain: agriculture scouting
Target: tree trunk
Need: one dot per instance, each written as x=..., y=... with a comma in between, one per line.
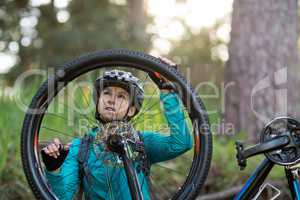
x=137, y=21
x=261, y=74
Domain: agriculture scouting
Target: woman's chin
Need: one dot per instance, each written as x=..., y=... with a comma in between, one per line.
x=110, y=118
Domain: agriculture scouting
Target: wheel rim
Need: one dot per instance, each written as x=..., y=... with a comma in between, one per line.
x=202, y=141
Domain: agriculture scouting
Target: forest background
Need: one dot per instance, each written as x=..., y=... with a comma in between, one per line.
x=226, y=49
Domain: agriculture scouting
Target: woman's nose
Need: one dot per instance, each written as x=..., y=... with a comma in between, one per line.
x=111, y=99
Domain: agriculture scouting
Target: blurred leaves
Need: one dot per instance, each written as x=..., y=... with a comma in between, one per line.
x=197, y=52
x=91, y=26
x=12, y=181
x=3, y=151
x=48, y=35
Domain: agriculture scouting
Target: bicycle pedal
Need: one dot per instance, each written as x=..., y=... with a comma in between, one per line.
x=242, y=162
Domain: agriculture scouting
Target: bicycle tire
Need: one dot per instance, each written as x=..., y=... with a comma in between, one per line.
x=32, y=121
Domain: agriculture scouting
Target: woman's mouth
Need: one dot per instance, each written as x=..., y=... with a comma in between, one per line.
x=110, y=109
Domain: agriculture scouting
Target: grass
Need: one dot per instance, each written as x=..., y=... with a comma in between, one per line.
x=12, y=180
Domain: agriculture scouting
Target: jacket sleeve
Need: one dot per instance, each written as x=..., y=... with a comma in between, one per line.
x=162, y=147
x=65, y=183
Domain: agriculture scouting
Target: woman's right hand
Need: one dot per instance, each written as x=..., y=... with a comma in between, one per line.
x=54, y=154
x=163, y=83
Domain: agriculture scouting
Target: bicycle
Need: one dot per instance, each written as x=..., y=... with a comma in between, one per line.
x=280, y=143
x=48, y=108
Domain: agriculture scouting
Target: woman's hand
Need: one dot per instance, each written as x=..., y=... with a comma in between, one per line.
x=53, y=149
x=163, y=83
x=54, y=154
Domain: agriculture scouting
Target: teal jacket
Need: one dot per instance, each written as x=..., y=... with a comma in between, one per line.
x=107, y=178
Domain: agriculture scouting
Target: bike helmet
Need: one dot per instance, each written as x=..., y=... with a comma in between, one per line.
x=121, y=79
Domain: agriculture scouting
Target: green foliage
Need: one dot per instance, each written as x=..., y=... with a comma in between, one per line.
x=92, y=26
x=3, y=151
x=12, y=181
x=196, y=51
x=225, y=172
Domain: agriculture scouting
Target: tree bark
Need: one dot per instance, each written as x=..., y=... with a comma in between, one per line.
x=137, y=16
x=261, y=74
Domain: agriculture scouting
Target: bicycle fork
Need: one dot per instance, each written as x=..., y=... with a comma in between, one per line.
x=253, y=184
x=116, y=144
x=292, y=176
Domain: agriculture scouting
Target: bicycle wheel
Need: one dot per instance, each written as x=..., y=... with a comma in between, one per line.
x=55, y=112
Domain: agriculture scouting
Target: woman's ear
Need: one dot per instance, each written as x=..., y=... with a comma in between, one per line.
x=131, y=111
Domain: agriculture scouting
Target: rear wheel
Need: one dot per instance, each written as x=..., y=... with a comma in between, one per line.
x=63, y=108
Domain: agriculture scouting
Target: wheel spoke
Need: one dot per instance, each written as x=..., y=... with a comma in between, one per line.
x=168, y=168
x=58, y=131
x=166, y=176
x=85, y=116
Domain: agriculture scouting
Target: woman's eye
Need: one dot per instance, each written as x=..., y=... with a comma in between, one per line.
x=121, y=96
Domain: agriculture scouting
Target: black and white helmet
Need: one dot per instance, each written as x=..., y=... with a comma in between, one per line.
x=124, y=80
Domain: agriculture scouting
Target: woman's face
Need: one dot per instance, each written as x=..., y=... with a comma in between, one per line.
x=113, y=104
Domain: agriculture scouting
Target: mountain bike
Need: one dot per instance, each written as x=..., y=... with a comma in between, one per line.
x=62, y=108
x=280, y=143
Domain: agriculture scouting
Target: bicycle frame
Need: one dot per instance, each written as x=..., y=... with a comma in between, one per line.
x=253, y=184
x=293, y=184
